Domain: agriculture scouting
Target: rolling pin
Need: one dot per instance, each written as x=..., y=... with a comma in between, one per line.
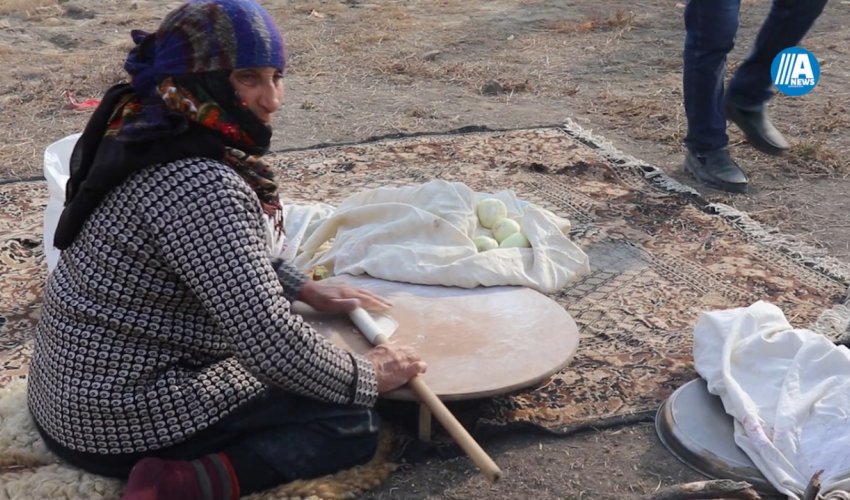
x=370, y=329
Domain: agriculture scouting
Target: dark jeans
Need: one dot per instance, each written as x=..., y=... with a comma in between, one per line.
x=710, y=28
x=274, y=439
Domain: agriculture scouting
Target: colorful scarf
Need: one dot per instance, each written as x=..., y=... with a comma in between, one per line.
x=199, y=105
x=179, y=104
x=188, y=120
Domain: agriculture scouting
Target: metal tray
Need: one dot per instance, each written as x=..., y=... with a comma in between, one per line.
x=695, y=428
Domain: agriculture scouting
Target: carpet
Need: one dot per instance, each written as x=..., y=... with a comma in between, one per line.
x=659, y=253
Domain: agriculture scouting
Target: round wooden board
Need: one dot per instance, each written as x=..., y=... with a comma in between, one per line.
x=477, y=342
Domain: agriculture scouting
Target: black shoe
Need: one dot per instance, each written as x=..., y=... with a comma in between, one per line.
x=717, y=169
x=757, y=129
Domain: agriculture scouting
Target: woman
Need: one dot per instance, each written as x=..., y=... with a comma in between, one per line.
x=166, y=343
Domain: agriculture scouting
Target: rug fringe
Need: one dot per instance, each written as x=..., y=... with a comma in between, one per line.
x=607, y=150
x=815, y=258
x=792, y=246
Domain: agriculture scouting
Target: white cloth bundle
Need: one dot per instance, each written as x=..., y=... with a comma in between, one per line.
x=788, y=390
x=423, y=234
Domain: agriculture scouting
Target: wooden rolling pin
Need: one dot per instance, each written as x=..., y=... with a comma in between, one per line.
x=370, y=329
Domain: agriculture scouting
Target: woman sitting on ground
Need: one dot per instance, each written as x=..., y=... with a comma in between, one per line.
x=167, y=349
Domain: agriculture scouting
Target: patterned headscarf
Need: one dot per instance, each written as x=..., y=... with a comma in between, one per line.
x=202, y=36
x=180, y=103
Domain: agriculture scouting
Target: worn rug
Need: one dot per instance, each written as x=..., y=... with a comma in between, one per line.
x=659, y=254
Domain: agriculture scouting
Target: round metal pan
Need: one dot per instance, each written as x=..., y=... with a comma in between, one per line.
x=695, y=428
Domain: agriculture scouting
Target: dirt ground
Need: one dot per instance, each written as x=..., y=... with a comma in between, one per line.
x=360, y=69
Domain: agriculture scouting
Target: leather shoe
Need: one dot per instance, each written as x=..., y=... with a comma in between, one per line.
x=758, y=129
x=717, y=169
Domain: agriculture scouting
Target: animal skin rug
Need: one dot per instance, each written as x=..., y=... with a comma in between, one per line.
x=29, y=470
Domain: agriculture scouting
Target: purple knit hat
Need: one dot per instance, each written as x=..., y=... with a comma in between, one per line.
x=206, y=35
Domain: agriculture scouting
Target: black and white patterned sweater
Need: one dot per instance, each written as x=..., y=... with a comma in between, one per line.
x=166, y=314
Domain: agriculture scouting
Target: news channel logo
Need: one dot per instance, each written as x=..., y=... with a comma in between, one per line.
x=795, y=71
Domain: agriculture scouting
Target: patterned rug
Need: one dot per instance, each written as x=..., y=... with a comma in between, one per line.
x=659, y=255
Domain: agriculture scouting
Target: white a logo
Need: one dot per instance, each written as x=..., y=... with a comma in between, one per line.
x=795, y=69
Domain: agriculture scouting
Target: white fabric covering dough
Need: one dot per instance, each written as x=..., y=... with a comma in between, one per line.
x=423, y=234
x=788, y=390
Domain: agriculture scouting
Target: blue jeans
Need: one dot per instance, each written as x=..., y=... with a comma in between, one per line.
x=710, y=28
x=276, y=438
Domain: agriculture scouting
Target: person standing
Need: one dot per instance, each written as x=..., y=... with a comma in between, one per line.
x=710, y=29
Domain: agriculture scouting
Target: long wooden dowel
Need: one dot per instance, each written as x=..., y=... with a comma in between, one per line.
x=426, y=396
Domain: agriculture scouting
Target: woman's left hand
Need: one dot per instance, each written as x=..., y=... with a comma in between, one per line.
x=339, y=298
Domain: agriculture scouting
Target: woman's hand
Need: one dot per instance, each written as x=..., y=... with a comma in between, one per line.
x=394, y=365
x=339, y=298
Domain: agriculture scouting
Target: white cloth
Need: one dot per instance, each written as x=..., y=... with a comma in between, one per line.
x=788, y=390
x=298, y=221
x=424, y=234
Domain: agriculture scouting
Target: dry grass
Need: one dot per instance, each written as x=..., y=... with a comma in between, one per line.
x=36, y=101
x=413, y=68
x=510, y=86
x=620, y=20
x=818, y=157
x=644, y=117
x=831, y=117
x=422, y=113
x=27, y=8
x=390, y=23
x=364, y=41
x=319, y=10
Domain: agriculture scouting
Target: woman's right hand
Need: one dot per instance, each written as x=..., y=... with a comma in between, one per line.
x=394, y=365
